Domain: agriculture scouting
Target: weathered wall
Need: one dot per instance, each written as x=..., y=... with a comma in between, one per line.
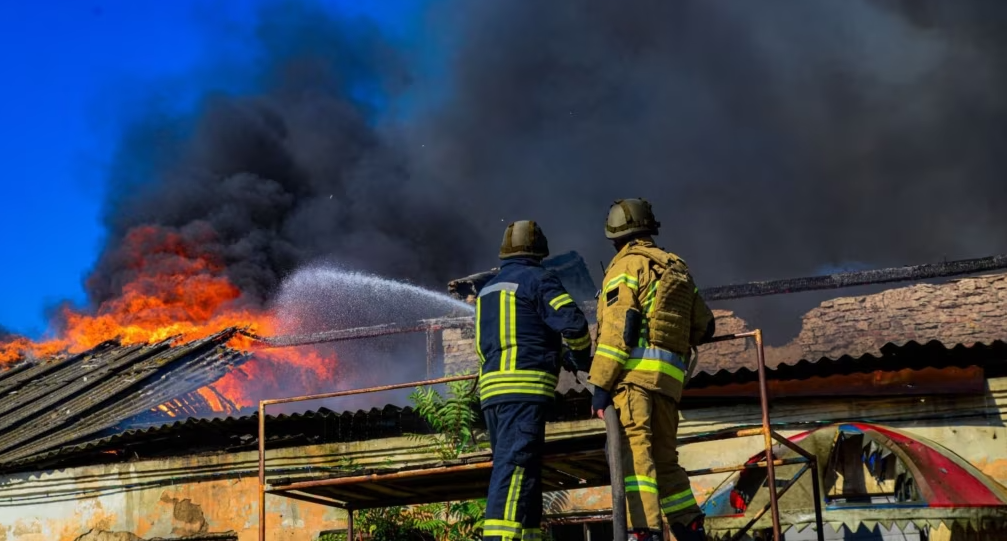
x=972, y=427
x=459, y=350
x=182, y=496
x=218, y=493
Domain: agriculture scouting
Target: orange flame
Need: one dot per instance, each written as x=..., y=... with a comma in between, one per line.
x=177, y=289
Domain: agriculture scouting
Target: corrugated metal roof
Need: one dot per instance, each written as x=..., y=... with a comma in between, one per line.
x=68, y=444
x=893, y=356
x=231, y=434
x=62, y=402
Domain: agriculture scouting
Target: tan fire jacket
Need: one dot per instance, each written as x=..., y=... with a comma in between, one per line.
x=650, y=314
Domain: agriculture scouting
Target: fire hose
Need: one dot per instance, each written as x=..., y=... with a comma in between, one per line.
x=618, y=480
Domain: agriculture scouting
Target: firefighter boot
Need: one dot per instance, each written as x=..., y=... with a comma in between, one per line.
x=645, y=535
x=693, y=531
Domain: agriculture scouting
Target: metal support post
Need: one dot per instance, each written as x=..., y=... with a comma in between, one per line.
x=817, y=493
x=349, y=524
x=768, y=436
x=337, y=394
x=262, y=472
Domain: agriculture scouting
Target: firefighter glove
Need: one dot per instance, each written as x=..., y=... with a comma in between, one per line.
x=601, y=400
x=566, y=357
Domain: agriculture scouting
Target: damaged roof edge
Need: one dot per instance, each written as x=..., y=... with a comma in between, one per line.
x=902, y=370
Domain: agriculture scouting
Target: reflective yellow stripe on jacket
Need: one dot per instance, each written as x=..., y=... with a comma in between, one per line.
x=580, y=343
x=561, y=301
x=508, y=329
x=612, y=353
x=654, y=359
x=630, y=281
x=479, y=349
x=517, y=382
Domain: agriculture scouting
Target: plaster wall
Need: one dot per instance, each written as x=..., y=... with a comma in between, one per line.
x=214, y=494
x=184, y=496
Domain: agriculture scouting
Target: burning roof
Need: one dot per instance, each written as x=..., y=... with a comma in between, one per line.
x=80, y=399
x=49, y=404
x=155, y=434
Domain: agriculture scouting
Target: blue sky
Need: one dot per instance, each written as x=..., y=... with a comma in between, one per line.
x=73, y=71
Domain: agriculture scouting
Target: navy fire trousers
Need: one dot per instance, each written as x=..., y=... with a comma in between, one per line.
x=514, y=503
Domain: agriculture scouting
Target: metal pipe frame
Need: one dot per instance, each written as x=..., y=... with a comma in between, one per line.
x=770, y=463
x=765, y=430
x=742, y=467
x=262, y=434
x=791, y=482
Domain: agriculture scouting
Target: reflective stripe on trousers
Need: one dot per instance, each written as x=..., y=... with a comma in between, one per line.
x=655, y=483
x=514, y=501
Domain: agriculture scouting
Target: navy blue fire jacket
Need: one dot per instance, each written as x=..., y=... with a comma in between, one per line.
x=523, y=317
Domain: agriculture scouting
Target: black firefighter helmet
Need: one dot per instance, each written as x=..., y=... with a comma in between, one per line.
x=524, y=238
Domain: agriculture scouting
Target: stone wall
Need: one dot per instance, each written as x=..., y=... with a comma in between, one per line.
x=459, y=351
x=963, y=311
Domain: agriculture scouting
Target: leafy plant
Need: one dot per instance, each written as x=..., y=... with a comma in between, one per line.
x=389, y=524
x=452, y=418
x=347, y=463
x=451, y=521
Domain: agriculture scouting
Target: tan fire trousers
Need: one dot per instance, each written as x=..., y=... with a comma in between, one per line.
x=655, y=483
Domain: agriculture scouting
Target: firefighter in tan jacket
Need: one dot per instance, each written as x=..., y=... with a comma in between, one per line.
x=650, y=315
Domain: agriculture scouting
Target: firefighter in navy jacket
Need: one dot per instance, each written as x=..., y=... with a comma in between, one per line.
x=524, y=317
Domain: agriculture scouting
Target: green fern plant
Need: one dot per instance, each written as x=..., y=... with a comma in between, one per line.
x=452, y=418
x=451, y=521
x=388, y=524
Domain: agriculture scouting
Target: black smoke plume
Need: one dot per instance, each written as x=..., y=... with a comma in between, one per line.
x=775, y=138
x=296, y=170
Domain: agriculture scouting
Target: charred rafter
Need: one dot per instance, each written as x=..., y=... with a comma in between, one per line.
x=359, y=332
x=857, y=278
